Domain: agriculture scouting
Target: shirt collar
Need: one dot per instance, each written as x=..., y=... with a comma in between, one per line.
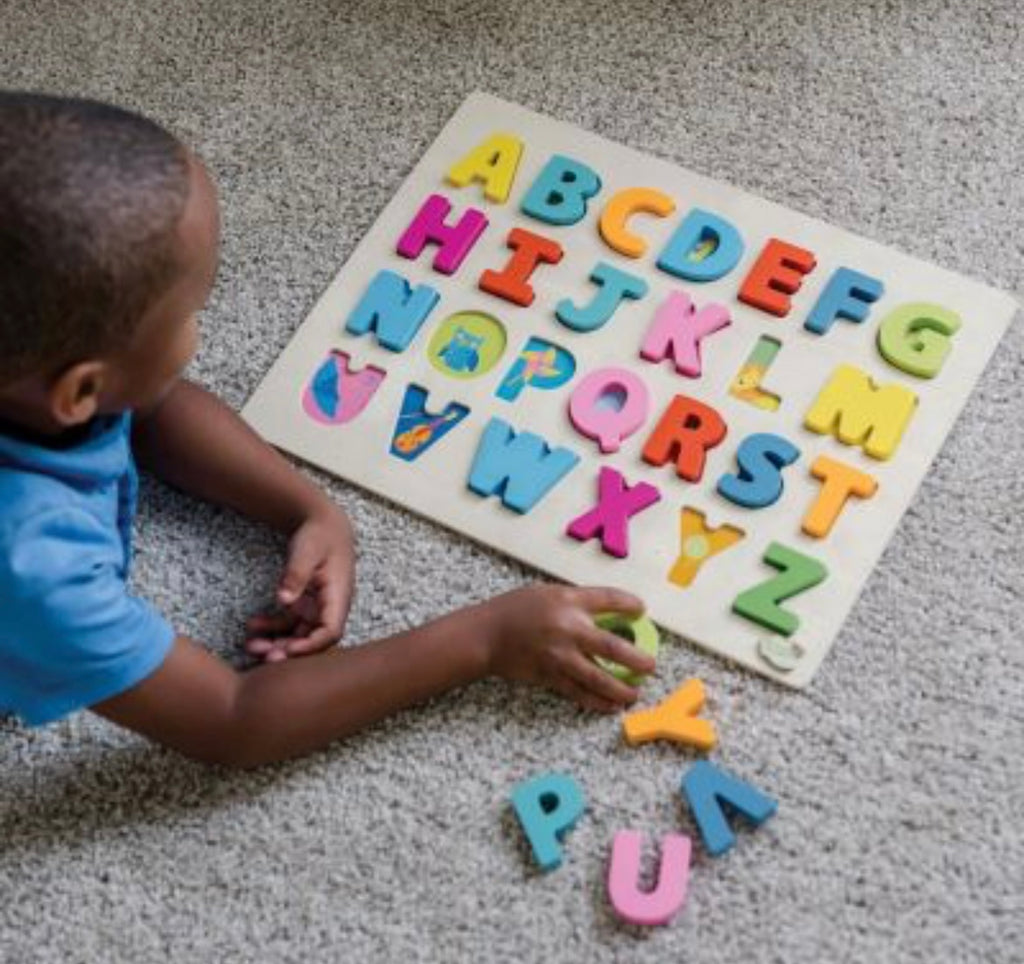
x=100, y=455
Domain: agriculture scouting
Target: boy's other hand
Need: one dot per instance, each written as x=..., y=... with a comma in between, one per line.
x=314, y=594
x=546, y=635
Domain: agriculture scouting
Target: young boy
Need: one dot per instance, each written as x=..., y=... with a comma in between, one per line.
x=108, y=249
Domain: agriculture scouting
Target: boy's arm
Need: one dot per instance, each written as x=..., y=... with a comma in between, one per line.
x=195, y=442
x=200, y=706
x=198, y=444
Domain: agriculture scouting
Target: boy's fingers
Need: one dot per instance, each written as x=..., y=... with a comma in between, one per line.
x=331, y=622
x=582, y=697
x=271, y=624
x=332, y=616
x=600, y=642
x=307, y=606
x=598, y=599
x=319, y=639
x=258, y=646
x=301, y=565
x=599, y=683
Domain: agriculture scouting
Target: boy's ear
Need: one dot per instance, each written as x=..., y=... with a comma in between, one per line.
x=76, y=392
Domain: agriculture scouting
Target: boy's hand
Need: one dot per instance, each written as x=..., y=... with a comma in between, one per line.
x=314, y=594
x=546, y=635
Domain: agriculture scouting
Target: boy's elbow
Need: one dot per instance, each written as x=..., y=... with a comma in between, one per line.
x=203, y=709
x=232, y=754
x=236, y=741
x=228, y=757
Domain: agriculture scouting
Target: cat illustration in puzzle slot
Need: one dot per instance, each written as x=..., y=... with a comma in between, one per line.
x=336, y=394
x=462, y=353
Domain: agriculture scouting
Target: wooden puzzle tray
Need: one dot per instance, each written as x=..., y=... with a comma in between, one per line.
x=625, y=373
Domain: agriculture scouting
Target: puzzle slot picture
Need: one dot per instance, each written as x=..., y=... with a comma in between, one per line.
x=625, y=373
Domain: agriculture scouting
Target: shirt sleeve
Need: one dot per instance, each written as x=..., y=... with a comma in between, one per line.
x=71, y=635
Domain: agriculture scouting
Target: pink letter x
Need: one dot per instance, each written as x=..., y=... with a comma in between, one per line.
x=616, y=502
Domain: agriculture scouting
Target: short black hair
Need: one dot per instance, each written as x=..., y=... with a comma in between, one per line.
x=90, y=199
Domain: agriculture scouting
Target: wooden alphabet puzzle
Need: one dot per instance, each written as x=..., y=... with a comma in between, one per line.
x=623, y=372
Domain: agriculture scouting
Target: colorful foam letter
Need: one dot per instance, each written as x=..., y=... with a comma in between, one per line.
x=548, y=807
x=858, y=412
x=614, y=286
x=609, y=405
x=540, y=364
x=336, y=394
x=392, y=309
x=686, y=432
x=621, y=207
x=777, y=273
x=467, y=345
x=915, y=338
x=848, y=294
x=617, y=502
x=674, y=718
x=697, y=544
x=838, y=482
x=493, y=163
x=656, y=906
x=417, y=429
x=560, y=193
x=747, y=383
x=760, y=603
x=706, y=788
x=703, y=248
x=519, y=468
x=678, y=328
x=760, y=458
x=454, y=241
x=512, y=282
x=640, y=631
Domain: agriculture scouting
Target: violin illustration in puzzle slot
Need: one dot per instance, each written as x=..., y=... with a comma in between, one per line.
x=416, y=429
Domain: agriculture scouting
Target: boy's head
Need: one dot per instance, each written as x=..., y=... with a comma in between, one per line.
x=108, y=249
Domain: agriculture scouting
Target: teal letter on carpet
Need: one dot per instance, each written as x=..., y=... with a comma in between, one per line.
x=707, y=789
x=548, y=807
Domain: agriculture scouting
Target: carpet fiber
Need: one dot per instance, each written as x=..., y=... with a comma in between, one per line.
x=899, y=774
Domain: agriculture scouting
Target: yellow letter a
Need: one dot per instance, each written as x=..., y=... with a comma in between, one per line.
x=493, y=163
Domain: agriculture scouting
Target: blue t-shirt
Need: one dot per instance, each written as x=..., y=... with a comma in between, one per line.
x=71, y=634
